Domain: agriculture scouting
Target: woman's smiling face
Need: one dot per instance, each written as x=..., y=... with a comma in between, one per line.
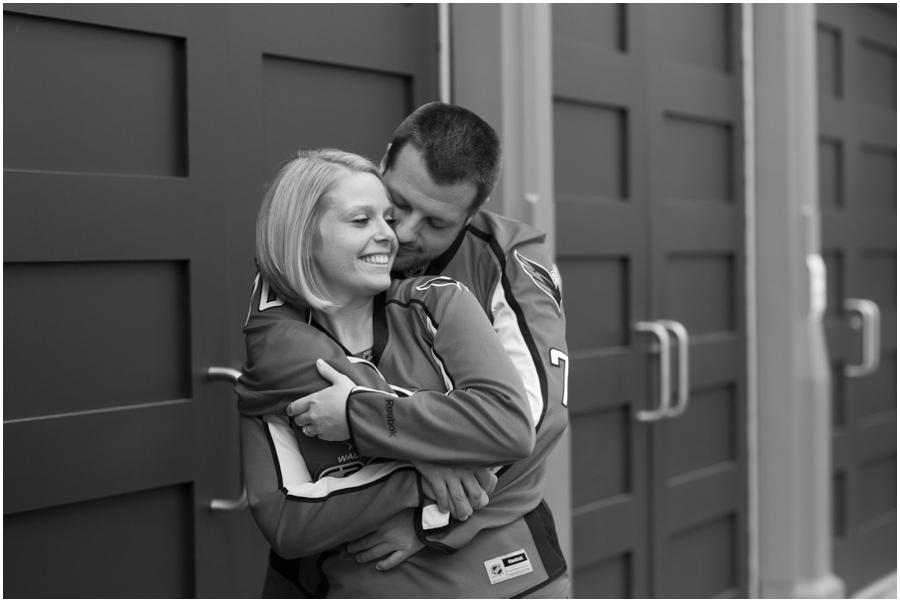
x=358, y=245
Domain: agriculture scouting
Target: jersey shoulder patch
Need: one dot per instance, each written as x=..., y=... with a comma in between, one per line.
x=545, y=279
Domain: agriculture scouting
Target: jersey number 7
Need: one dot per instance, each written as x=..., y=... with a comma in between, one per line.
x=557, y=356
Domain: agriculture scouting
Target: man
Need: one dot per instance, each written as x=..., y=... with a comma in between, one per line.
x=440, y=168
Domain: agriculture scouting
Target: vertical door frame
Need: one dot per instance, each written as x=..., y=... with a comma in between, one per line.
x=502, y=70
x=750, y=292
x=445, y=79
x=793, y=378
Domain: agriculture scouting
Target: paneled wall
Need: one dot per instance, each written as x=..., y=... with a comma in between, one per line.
x=857, y=81
x=648, y=157
x=137, y=145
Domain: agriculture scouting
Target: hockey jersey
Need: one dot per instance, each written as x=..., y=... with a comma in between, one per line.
x=469, y=407
x=505, y=265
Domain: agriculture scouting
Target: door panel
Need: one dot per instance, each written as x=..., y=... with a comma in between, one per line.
x=697, y=279
x=371, y=105
x=126, y=88
x=857, y=62
x=74, y=539
x=105, y=296
x=138, y=142
x=601, y=253
x=650, y=221
x=111, y=241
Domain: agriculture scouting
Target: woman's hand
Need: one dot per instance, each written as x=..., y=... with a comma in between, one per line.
x=458, y=490
x=324, y=412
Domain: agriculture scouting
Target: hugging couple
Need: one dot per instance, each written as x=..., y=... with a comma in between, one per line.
x=406, y=375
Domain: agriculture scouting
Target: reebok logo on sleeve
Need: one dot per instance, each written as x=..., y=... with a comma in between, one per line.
x=389, y=416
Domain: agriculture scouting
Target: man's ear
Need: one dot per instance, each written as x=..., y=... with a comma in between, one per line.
x=472, y=214
x=384, y=159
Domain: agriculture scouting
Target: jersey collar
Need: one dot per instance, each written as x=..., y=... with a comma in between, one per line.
x=379, y=328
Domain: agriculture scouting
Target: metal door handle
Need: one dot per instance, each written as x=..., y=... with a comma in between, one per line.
x=663, y=336
x=216, y=373
x=226, y=374
x=684, y=388
x=871, y=336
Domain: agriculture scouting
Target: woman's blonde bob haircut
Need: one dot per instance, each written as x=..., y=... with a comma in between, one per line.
x=287, y=227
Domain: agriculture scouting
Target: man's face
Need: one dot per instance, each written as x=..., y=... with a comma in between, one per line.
x=428, y=216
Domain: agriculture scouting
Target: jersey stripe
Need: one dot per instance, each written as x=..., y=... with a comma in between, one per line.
x=292, y=470
x=433, y=518
x=433, y=327
x=274, y=455
x=448, y=382
x=411, y=302
x=506, y=325
x=296, y=481
x=253, y=292
x=510, y=299
x=529, y=341
x=421, y=535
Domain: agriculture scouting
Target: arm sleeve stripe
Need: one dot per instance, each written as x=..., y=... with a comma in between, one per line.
x=507, y=328
x=433, y=327
x=383, y=476
x=294, y=479
x=253, y=292
x=274, y=455
x=520, y=316
x=418, y=302
x=292, y=471
x=433, y=518
x=448, y=382
x=529, y=341
x=420, y=534
x=364, y=389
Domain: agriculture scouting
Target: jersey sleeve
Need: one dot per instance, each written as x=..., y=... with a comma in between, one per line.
x=528, y=317
x=300, y=517
x=480, y=418
x=281, y=366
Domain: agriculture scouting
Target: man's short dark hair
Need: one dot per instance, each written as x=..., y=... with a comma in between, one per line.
x=456, y=146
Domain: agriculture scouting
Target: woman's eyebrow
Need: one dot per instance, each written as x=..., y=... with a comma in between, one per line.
x=364, y=207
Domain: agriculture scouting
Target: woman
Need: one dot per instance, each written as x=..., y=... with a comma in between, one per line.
x=325, y=246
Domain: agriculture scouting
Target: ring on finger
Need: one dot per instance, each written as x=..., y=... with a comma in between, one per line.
x=305, y=430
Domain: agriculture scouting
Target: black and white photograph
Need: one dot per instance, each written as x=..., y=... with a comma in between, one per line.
x=450, y=300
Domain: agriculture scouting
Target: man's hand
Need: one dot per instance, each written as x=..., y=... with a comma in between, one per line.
x=395, y=537
x=325, y=410
x=458, y=490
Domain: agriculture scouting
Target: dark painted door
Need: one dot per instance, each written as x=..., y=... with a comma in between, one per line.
x=650, y=238
x=857, y=75
x=138, y=139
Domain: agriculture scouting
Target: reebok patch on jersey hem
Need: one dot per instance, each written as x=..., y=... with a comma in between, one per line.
x=508, y=566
